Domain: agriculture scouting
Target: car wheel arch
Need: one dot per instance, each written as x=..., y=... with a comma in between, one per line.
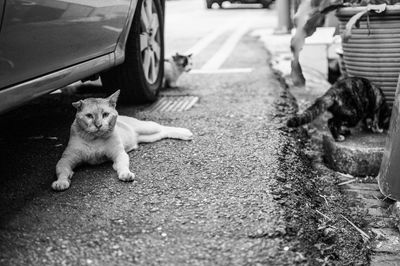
x=140, y=87
x=123, y=39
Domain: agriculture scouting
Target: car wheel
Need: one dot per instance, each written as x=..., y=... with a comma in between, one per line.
x=140, y=76
x=266, y=3
x=209, y=4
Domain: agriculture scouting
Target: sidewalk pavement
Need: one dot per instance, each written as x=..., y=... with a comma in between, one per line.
x=359, y=155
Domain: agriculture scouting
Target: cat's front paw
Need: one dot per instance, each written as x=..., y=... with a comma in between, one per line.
x=340, y=138
x=126, y=176
x=368, y=123
x=376, y=129
x=60, y=185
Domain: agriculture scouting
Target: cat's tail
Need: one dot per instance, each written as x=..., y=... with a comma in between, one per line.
x=312, y=112
x=177, y=133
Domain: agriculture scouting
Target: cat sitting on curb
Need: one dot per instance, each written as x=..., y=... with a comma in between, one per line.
x=99, y=134
x=350, y=100
x=174, y=67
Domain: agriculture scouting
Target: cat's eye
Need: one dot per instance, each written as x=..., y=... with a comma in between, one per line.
x=105, y=115
x=90, y=116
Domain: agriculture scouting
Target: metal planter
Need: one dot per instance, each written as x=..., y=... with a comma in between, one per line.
x=373, y=50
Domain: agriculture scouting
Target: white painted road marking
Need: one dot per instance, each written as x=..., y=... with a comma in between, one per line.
x=111, y=28
x=203, y=43
x=226, y=49
x=221, y=71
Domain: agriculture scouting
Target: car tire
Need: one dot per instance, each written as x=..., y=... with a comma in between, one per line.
x=209, y=4
x=266, y=3
x=140, y=76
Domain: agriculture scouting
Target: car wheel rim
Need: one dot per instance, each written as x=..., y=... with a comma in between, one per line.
x=150, y=41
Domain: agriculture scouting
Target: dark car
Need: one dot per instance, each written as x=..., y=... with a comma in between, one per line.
x=264, y=3
x=48, y=44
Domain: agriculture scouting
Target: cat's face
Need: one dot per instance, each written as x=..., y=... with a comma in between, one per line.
x=97, y=116
x=184, y=62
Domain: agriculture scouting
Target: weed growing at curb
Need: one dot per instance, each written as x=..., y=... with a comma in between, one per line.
x=317, y=214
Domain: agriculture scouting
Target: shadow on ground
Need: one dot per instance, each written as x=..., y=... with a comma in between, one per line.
x=32, y=139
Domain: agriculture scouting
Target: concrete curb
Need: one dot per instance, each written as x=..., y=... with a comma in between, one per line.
x=360, y=155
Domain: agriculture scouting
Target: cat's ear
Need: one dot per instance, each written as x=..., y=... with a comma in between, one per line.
x=114, y=98
x=78, y=105
x=189, y=55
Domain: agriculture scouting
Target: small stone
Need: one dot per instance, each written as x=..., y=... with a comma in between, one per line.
x=286, y=248
x=154, y=209
x=396, y=209
x=164, y=234
x=360, y=155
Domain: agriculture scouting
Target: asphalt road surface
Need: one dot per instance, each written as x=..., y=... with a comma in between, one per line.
x=204, y=202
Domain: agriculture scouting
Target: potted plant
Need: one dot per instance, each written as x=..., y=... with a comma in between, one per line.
x=371, y=38
x=372, y=49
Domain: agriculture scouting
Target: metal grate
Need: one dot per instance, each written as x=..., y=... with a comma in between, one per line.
x=173, y=103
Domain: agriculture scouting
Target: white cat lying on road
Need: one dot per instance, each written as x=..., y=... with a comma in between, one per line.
x=99, y=134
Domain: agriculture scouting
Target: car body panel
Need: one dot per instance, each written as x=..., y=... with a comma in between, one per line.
x=14, y=95
x=120, y=48
x=41, y=36
x=2, y=3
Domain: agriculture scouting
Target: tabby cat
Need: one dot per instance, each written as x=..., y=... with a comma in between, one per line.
x=99, y=134
x=350, y=100
x=174, y=67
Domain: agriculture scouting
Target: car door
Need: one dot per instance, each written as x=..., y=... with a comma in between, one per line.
x=41, y=36
x=2, y=2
